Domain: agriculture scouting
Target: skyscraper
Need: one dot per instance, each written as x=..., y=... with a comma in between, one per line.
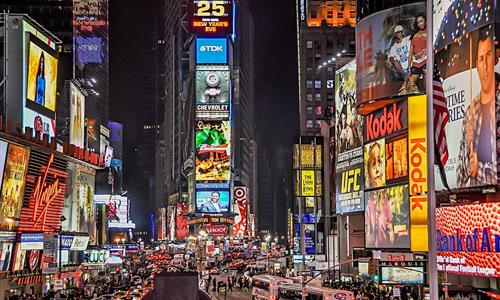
x=325, y=42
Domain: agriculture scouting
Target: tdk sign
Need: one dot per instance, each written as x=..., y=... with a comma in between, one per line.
x=211, y=51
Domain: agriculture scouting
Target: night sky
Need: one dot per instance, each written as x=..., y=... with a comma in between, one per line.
x=275, y=81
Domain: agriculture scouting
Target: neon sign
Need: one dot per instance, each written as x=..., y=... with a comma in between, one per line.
x=44, y=194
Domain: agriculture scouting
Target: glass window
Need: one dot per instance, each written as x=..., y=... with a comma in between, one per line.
x=317, y=124
x=340, y=14
x=313, y=14
x=309, y=110
x=309, y=97
x=309, y=124
x=309, y=84
x=329, y=97
x=309, y=44
x=319, y=111
x=329, y=14
x=317, y=84
x=330, y=110
x=317, y=96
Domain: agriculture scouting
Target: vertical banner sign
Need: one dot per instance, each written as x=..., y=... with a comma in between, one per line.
x=418, y=172
x=307, y=183
x=240, y=208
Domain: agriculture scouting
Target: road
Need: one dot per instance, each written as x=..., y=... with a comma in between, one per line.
x=235, y=295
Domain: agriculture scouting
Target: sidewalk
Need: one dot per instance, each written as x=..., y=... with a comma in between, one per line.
x=235, y=294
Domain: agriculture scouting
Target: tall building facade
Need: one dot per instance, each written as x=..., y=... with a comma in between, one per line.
x=325, y=40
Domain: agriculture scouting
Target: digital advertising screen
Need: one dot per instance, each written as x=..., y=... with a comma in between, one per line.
x=77, y=116
x=240, y=227
x=387, y=218
x=89, y=49
x=472, y=93
x=14, y=176
x=213, y=92
x=467, y=239
x=211, y=50
x=41, y=81
x=213, y=150
x=181, y=227
x=216, y=201
x=118, y=213
x=402, y=273
x=396, y=157
x=210, y=17
x=349, y=143
x=391, y=52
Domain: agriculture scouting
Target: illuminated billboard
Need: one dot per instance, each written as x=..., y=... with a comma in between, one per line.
x=471, y=89
x=348, y=140
x=402, y=272
x=211, y=50
x=391, y=55
x=89, y=49
x=181, y=228
x=77, y=116
x=468, y=239
x=213, y=151
x=41, y=63
x=215, y=201
x=14, y=180
x=210, y=17
x=213, y=92
x=387, y=220
x=240, y=228
x=118, y=209
x=304, y=155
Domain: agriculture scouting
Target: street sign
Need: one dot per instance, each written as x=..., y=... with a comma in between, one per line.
x=58, y=284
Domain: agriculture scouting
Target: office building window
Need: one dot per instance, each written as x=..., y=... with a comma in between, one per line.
x=317, y=97
x=340, y=14
x=317, y=124
x=314, y=14
x=309, y=97
x=309, y=124
x=309, y=44
x=319, y=111
x=329, y=14
x=309, y=110
x=329, y=97
x=309, y=84
x=330, y=110
x=317, y=84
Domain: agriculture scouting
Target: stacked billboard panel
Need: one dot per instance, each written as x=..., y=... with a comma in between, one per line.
x=211, y=22
x=349, y=142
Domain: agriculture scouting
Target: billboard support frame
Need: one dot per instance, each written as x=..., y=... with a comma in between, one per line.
x=431, y=191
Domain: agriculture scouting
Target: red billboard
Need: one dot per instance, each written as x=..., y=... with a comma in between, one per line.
x=468, y=239
x=44, y=193
x=240, y=228
x=181, y=228
x=216, y=229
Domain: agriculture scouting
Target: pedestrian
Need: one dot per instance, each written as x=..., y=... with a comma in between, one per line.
x=229, y=284
x=214, y=284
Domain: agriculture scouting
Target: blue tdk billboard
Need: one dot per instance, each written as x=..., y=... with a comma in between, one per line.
x=211, y=51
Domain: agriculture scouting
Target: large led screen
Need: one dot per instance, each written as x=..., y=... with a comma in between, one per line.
x=349, y=143
x=216, y=201
x=391, y=53
x=470, y=75
x=387, y=218
x=77, y=116
x=213, y=92
x=468, y=239
x=374, y=163
x=41, y=81
x=213, y=151
x=210, y=17
x=13, y=184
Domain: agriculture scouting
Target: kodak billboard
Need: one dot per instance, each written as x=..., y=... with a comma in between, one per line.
x=417, y=146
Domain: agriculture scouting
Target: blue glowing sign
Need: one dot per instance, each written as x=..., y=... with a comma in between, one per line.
x=211, y=51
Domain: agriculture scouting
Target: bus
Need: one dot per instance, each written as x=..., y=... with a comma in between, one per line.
x=265, y=287
x=294, y=292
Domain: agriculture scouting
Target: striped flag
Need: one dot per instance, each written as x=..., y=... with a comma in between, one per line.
x=440, y=118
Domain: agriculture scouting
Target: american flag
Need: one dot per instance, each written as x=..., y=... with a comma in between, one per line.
x=440, y=117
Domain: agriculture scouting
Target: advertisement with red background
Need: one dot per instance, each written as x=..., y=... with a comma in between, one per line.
x=181, y=228
x=468, y=239
x=216, y=229
x=44, y=193
x=240, y=228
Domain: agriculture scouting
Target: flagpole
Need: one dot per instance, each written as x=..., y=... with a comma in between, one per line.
x=431, y=188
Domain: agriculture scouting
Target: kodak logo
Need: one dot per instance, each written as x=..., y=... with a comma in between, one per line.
x=387, y=123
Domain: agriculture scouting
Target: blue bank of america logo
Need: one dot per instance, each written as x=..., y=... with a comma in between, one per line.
x=211, y=51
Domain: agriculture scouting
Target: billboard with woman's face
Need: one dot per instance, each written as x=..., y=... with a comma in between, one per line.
x=391, y=55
